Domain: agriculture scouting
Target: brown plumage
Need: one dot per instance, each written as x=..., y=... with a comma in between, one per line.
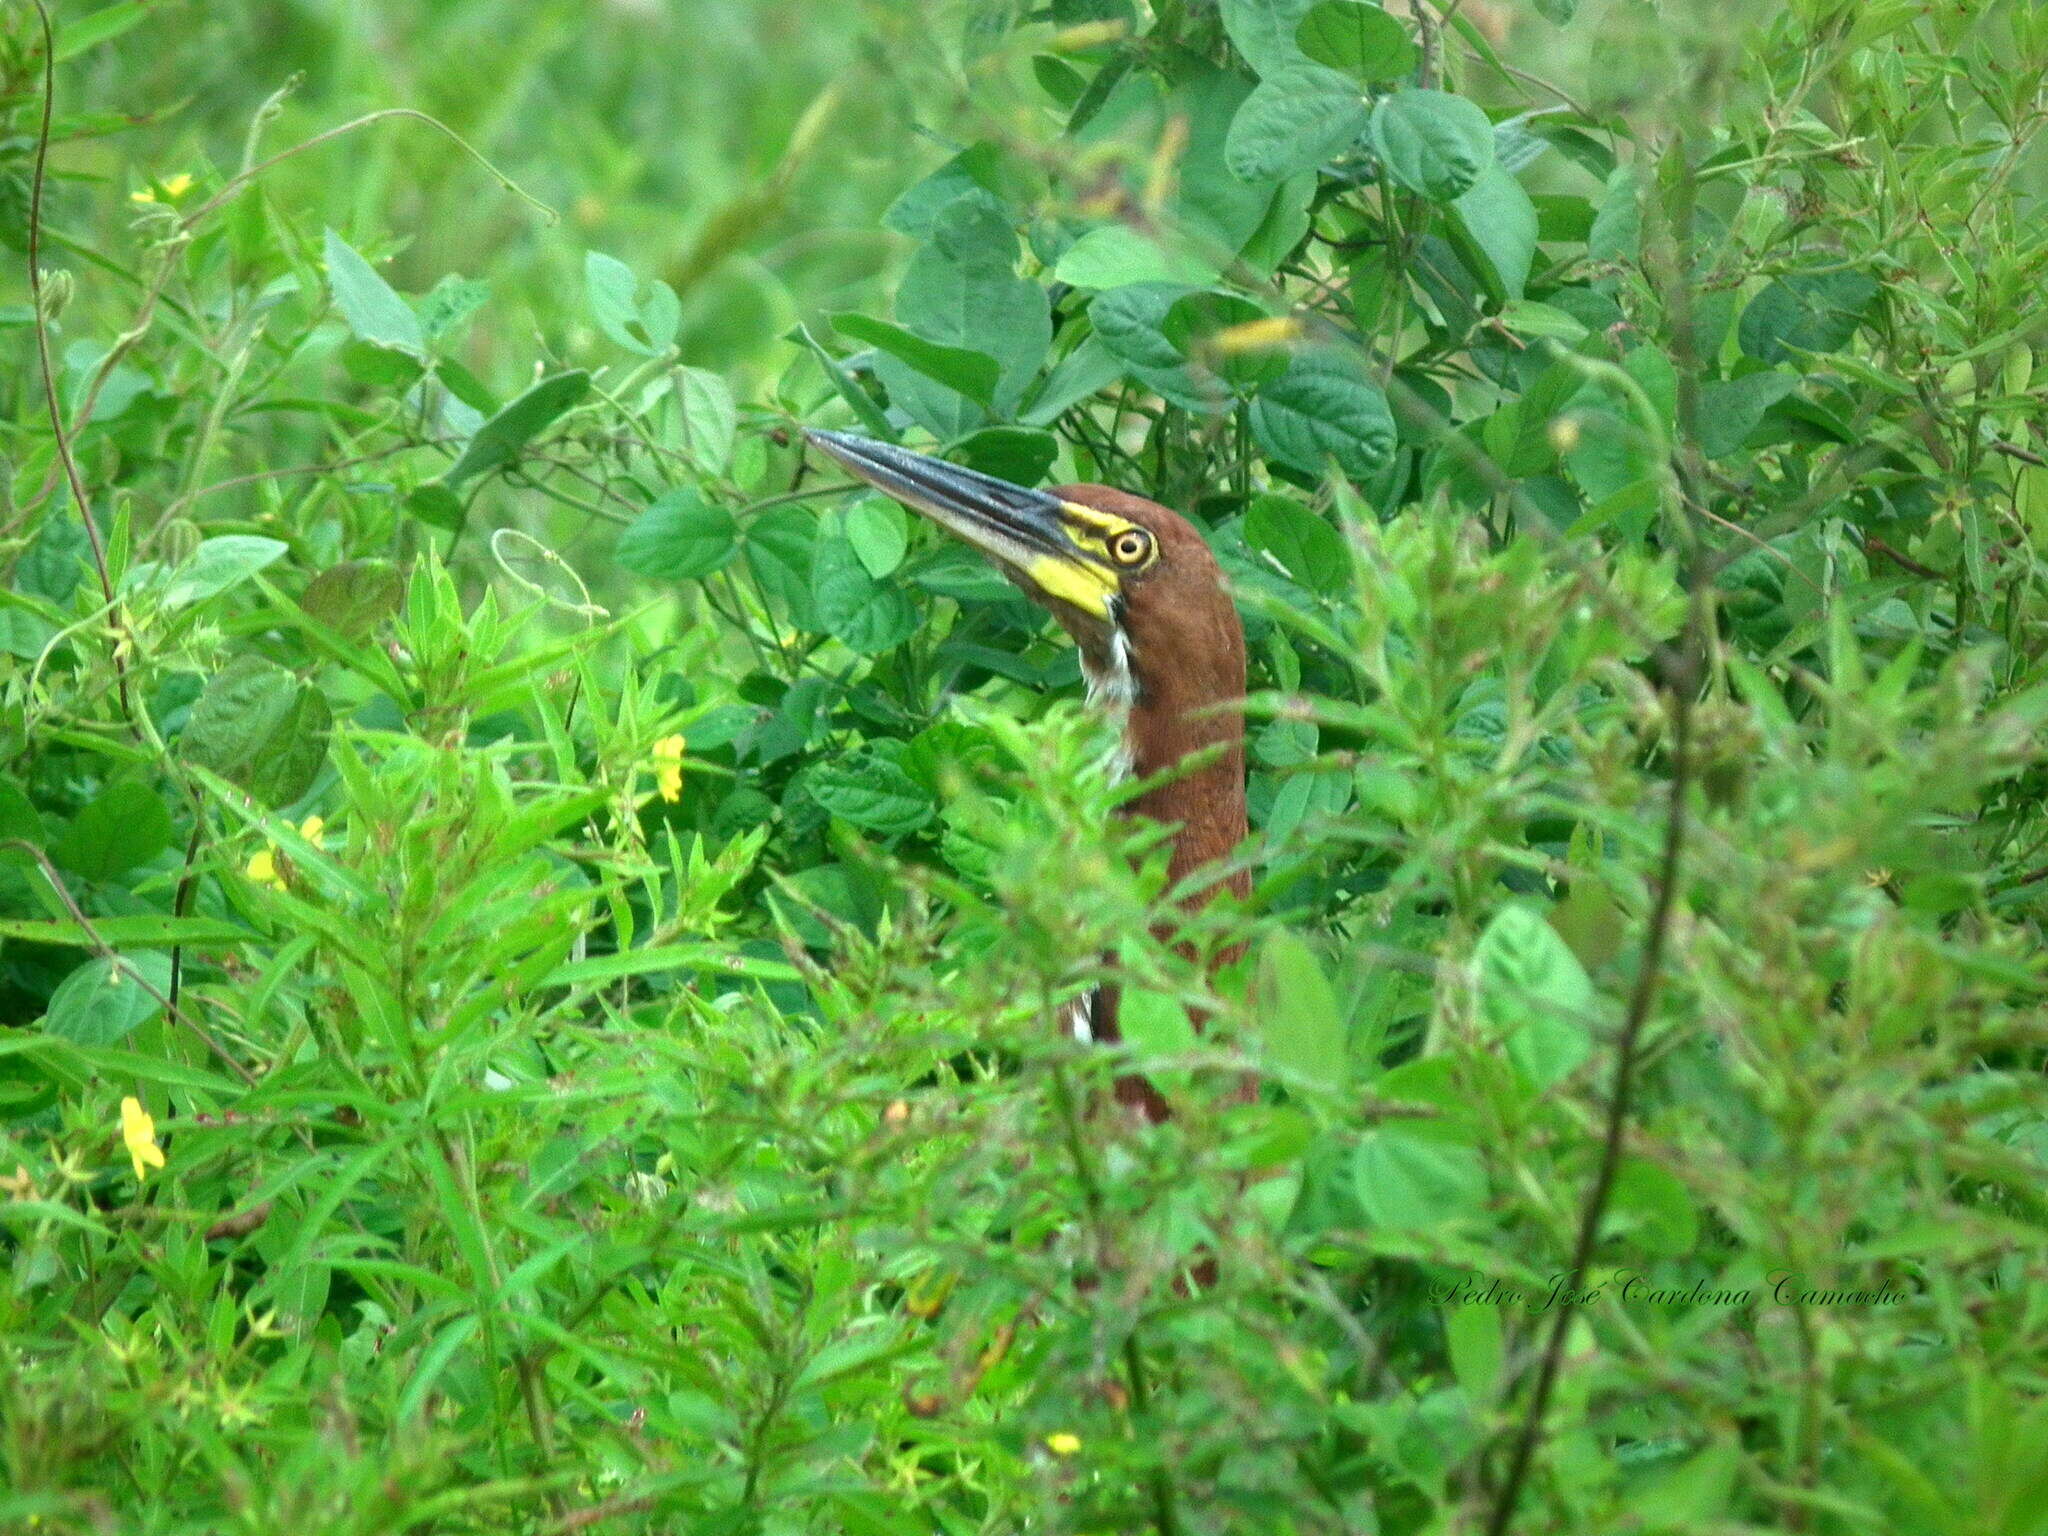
x=1161, y=645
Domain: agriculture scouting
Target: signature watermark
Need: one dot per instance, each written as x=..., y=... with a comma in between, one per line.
x=1782, y=1287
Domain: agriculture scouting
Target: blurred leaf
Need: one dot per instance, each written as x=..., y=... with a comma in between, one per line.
x=448, y=306
x=219, y=563
x=108, y=998
x=1534, y=994
x=1730, y=409
x=435, y=505
x=498, y=441
x=642, y=318
x=1301, y=1028
x=1116, y=254
x=354, y=597
x=259, y=727
x=100, y=26
x=373, y=310
x=1665, y=1221
x=711, y=419
x=1431, y=142
x=1415, y=1175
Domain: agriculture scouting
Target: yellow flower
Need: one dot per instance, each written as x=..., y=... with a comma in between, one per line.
x=1063, y=1443
x=668, y=768
x=172, y=187
x=138, y=1130
x=262, y=866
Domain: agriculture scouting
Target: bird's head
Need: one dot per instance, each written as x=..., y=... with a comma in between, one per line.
x=1130, y=580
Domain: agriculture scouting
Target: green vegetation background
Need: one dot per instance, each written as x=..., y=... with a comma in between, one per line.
x=531, y=920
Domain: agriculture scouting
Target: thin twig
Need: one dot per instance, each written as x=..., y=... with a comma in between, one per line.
x=1681, y=678
x=42, y=328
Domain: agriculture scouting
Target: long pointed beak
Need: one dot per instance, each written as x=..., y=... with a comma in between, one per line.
x=993, y=515
x=1023, y=530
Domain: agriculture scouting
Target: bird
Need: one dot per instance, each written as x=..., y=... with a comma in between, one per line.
x=1161, y=648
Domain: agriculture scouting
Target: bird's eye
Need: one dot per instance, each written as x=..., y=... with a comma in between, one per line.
x=1130, y=547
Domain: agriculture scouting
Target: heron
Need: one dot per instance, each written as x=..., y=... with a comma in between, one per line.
x=1161, y=647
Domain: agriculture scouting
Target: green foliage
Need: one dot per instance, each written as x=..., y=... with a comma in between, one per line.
x=590, y=903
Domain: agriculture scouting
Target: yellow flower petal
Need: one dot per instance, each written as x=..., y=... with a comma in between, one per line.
x=178, y=185
x=138, y=1131
x=144, y=196
x=262, y=868
x=311, y=828
x=1063, y=1443
x=668, y=768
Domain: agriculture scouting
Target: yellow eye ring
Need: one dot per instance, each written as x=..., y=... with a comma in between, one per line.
x=1131, y=547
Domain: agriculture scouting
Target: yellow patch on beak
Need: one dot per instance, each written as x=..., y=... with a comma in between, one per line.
x=1078, y=583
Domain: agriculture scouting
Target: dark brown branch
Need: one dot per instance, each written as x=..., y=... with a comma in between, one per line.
x=1681, y=680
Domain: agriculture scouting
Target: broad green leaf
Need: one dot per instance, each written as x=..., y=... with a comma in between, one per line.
x=259, y=727
x=1129, y=322
x=961, y=369
x=1298, y=1017
x=1115, y=255
x=679, y=537
x=106, y=999
x=1730, y=409
x=868, y=616
x=1325, y=407
x=125, y=824
x=1473, y=1334
x=778, y=548
x=1534, y=995
x=1304, y=544
x=1493, y=224
x=1360, y=39
x=372, y=308
x=711, y=418
x=1415, y=1175
x=1805, y=312
x=879, y=532
x=960, y=291
x=1089, y=368
x=1020, y=455
x=499, y=441
x=640, y=317
x=1294, y=121
x=217, y=564
x=1431, y=142
x=872, y=792
x=1264, y=31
